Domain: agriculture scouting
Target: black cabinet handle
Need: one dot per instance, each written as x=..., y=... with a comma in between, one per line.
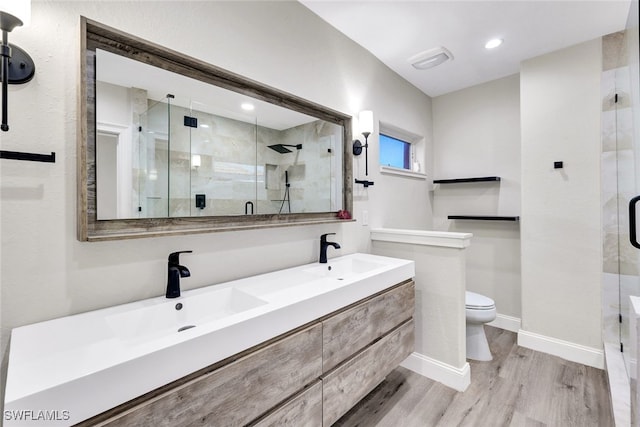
x=632, y=221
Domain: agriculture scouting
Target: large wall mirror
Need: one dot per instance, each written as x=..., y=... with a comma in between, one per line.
x=172, y=145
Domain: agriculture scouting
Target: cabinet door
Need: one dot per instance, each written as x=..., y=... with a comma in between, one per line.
x=353, y=380
x=303, y=410
x=348, y=332
x=239, y=392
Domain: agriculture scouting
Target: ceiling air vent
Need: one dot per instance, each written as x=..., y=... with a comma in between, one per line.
x=430, y=58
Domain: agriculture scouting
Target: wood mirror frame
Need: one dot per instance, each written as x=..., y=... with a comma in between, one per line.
x=95, y=35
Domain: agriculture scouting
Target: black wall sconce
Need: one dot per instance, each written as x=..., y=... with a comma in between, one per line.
x=17, y=65
x=365, y=121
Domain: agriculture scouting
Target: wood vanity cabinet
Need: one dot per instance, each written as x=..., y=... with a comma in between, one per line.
x=354, y=379
x=348, y=331
x=302, y=410
x=308, y=377
x=238, y=392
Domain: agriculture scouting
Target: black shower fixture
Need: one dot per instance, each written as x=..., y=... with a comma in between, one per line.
x=281, y=148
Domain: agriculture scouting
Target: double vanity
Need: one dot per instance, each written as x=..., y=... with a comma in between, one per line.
x=300, y=346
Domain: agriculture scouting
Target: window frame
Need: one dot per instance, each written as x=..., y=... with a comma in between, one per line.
x=416, y=145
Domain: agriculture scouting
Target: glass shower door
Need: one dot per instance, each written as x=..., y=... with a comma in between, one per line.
x=628, y=188
x=623, y=102
x=151, y=162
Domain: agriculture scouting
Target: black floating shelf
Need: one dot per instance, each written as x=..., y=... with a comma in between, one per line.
x=485, y=218
x=461, y=180
x=30, y=157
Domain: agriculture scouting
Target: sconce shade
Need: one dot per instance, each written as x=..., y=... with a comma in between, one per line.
x=365, y=120
x=20, y=9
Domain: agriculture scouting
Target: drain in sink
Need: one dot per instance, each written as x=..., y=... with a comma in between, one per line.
x=184, y=328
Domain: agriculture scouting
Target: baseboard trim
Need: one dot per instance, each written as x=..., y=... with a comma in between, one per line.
x=567, y=350
x=505, y=322
x=456, y=378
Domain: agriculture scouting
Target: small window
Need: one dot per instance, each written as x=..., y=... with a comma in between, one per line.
x=395, y=152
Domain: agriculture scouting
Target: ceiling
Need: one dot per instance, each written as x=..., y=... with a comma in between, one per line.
x=193, y=94
x=394, y=31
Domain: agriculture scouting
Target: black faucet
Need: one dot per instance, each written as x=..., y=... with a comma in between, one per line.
x=323, y=247
x=174, y=272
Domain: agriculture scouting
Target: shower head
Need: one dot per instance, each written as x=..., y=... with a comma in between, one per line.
x=281, y=148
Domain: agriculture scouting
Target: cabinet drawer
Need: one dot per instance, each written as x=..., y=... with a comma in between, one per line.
x=348, y=332
x=239, y=392
x=303, y=410
x=350, y=382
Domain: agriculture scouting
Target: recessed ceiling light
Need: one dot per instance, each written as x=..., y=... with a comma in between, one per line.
x=247, y=107
x=493, y=43
x=204, y=125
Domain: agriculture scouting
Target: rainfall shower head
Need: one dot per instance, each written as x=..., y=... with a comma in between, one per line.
x=281, y=148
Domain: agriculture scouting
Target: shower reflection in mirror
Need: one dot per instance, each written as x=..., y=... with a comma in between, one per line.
x=156, y=151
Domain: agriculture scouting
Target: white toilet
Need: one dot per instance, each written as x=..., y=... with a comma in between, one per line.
x=479, y=310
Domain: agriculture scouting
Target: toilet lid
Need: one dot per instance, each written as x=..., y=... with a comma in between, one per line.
x=477, y=301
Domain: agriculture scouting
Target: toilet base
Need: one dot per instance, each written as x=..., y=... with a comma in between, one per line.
x=477, y=345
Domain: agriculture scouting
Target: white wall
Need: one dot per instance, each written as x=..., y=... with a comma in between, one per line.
x=440, y=280
x=477, y=133
x=114, y=108
x=561, y=226
x=47, y=273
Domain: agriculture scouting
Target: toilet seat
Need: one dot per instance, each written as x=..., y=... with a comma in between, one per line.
x=475, y=301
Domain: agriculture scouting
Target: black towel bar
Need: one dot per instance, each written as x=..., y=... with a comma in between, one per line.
x=31, y=157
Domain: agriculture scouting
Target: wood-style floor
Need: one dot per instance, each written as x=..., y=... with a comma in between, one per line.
x=520, y=387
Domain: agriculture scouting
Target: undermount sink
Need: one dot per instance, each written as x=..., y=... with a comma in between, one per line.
x=90, y=362
x=173, y=316
x=344, y=268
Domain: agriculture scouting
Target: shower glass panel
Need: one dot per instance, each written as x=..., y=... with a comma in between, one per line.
x=151, y=161
x=195, y=162
x=628, y=187
x=628, y=135
x=621, y=183
x=222, y=161
x=179, y=159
